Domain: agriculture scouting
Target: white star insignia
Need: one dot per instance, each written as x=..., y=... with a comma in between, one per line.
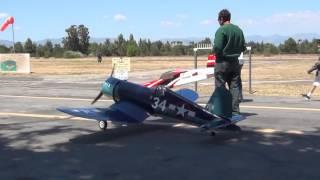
x=181, y=110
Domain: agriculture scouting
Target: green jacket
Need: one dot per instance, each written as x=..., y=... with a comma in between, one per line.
x=229, y=42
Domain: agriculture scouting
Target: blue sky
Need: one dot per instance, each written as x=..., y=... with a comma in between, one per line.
x=157, y=19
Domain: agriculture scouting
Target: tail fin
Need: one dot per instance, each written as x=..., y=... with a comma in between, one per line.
x=220, y=103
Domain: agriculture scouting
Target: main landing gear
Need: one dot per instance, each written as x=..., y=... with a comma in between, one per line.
x=103, y=125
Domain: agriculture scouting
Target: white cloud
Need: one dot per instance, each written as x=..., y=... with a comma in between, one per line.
x=3, y=15
x=167, y=23
x=182, y=16
x=283, y=23
x=119, y=17
x=207, y=22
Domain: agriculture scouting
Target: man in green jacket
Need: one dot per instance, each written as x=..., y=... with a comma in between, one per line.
x=229, y=42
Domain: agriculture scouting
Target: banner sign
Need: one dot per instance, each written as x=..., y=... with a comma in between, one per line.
x=122, y=67
x=15, y=63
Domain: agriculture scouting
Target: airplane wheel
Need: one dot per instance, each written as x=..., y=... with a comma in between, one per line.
x=103, y=125
x=212, y=133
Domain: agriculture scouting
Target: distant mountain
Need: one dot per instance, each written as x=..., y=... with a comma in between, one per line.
x=59, y=40
x=6, y=43
x=54, y=41
x=185, y=41
x=274, y=39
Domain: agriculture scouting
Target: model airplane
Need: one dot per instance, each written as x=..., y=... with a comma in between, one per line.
x=134, y=103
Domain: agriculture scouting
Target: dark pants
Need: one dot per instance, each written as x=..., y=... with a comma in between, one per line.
x=228, y=72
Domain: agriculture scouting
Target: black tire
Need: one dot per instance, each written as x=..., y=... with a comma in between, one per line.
x=103, y=125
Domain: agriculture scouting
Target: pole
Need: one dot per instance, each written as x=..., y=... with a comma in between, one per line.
x=195, y=66
x=14, y=51
x=250, y=73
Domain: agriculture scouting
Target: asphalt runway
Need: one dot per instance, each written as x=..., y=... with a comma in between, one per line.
x=279, y=139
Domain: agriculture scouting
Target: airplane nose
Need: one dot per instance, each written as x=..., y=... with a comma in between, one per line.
x=107, y=89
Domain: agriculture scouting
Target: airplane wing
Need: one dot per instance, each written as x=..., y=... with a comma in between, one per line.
x=121, y=111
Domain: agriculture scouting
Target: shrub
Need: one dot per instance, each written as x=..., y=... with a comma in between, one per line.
x=72, y=54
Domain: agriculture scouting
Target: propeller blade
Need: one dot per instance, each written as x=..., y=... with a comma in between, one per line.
x=97, y=98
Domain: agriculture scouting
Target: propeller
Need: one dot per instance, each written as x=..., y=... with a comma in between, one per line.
x=101, y=92
x=97, y=98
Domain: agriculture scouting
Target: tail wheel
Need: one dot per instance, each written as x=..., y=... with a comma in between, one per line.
x=103, y=125
x=212, y=133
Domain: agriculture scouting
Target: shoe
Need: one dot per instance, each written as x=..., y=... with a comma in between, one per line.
x=306, y=97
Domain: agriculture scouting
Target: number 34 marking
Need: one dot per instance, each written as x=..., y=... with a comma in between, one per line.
x=159, y=104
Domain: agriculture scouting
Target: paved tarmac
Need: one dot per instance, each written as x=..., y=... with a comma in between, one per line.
x=279, y=139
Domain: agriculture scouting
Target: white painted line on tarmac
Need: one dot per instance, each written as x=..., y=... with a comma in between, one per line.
x=108, y=100
x=282, y=108
x=53, y=98
x=294, y=132
x=266, y=131
x=278, y=108
x=273, y=131
x=42, y=116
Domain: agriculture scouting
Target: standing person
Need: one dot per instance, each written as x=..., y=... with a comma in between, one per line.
x=316, y=82
x=99, y=56
x=229, y=42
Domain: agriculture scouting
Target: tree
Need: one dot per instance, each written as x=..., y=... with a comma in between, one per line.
x=290, y=46
x=58, y=51
x=4, y=49
x=120, y=46
x=39, y=51
x=30, y=47
x=314, y=46
x=71, y=42
x=132, y=48
x=132, y=51
x=166, y=49
x=306, y=47
x=155, y=48
x=18, y=47
x=270, y=49
x=107, y=48
x=83, y=33
x=206, y=41
x=48, y=49
x=94, y=48
x=143, y=48
x=178, y=50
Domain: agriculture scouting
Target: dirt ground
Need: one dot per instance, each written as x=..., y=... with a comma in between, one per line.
x=279, y=75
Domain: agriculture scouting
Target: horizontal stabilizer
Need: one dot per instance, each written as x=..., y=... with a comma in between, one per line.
x=221, y=122
x=189, y=94
x=237, y=118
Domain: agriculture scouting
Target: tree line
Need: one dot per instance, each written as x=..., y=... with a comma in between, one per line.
x=77, y=44
x=290, y=46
